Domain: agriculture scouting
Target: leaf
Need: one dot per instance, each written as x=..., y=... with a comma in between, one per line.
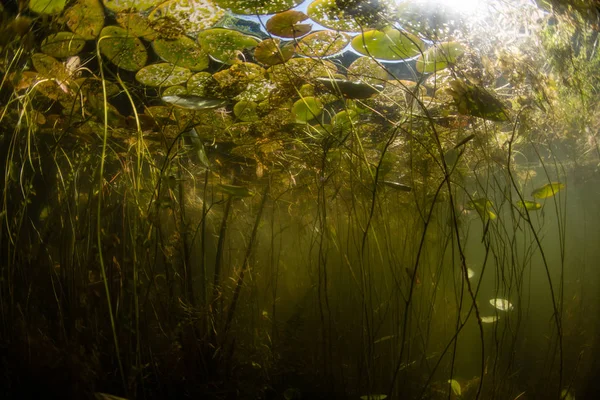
x=162, y=74
x=85, y=18
x=529, y=205
x=122, y=49
x=323, y=43
x=439, y=57
x=183, y=52
x=483, y=207
x=225, y=45
x=388, y=44
x=253, y=7
x=62, y=44
x=133, y=5
x=306, y=109
x=269, y=52
x=193, y=15
x=245, y=111
x=548, y=190
x=47, y=7
x=286, y=24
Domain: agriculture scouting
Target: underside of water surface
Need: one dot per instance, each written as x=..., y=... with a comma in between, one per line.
x=321, y=199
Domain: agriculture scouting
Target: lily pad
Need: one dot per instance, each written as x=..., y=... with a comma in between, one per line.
x=253, y=7
x=323, y=43
x=225, y=45
x=133, y=5
x=269, y=52
x=193, y=15
x=306, y=109
x=548, y=190
x=389, y=44
x=439, y=57
x=162, y=74
x=245, y=111
x=367, y=70
x=349, y=89
x=328, y=14
x=85, y=18
x=47, y=7
x=62, y=44
x=183, y=52
x=137, y=25
x=286, y=24
x=299, y=70
x=122, y=49
x=48, y=66
x=201, y=84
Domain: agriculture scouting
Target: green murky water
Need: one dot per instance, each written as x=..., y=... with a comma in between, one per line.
x=329, y=199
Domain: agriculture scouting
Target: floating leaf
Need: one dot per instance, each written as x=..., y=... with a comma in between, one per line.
x=225, y=45
x=137, y=25
x=62, y=44
x=253, y=7
x=183, y=52
x=192, y=102
x=122, y=49
x=351, y=18
x=48, y=7
x=193, y=15
x=162, y=74
x=367, y=70
x=323, y=43
x=298, y=70
x=456, y=389
x=286, y=24
x=439, y=57
x=245, y=111
x=133, y=5
x=501, y=304
x=388, y=44
x=201, y=84
x=235, y=191
x=269, y=52
x=529, y=205
x=476, y=101
x=490, y=319
x=548, y=190
x=85, y=18
x=306, y=109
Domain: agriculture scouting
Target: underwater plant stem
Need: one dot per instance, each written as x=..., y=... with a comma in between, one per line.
x=189, y=288
x=218, y=260
x=99, y=218
x=245, y=263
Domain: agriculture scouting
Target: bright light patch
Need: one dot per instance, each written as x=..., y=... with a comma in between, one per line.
x=467, y=7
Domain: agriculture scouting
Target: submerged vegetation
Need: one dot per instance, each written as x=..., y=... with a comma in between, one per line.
x=329, y=199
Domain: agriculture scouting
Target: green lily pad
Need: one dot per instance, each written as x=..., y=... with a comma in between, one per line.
x=122, y=49
x=388, y=44
x=328, y=14
x=286, y=24
x=299, y=70
x=162, y=74
x=323, y=43
x=62, y=44
x=306, y=109
x=225, y=45
x=193, y=15
x=548, y=190
x=137, y=25
x=85, y=18
x=438, y=57
x=245, y=111
x=47, y=7
x=269, y=52
x=529, y=205
x=48, y=66
x=183, y=52
x=201, y=84
x=343, y=121
x=174, y=91
x=132, y=5
x=367, y=70
x=253, y=7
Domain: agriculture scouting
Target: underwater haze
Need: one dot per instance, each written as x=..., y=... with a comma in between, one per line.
x=287, y=199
